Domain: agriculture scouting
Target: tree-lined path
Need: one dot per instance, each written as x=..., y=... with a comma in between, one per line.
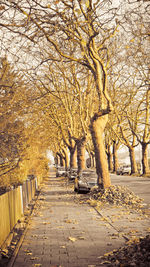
x=62, y=232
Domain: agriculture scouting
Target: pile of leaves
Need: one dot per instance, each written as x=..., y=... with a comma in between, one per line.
x=134, y=254
x=118, y=195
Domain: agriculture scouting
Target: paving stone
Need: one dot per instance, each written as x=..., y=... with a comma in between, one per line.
x=62, y=232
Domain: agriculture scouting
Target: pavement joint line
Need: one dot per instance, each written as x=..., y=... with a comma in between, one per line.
x=100, y=214
x=125, y=237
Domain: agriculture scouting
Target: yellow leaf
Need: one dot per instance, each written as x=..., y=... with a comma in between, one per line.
x=73, y=239
x=87, y=3
x=67, y=221
x=46, y=223
x=34, y=258
x=132, y=40
x=62, y=246
x=83, y=42
x=106, y=254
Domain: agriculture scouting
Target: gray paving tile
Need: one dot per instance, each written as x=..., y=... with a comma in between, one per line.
x=63, y=232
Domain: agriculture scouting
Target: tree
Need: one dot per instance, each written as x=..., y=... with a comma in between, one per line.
x=12, y=130
x=69, y=104
x=18, y=151
x=139, y=45
x=128, y=75
x=73, y=31
x=76, y=31
x=142, y=131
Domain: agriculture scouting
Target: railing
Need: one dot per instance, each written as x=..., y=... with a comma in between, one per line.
x=13, y=205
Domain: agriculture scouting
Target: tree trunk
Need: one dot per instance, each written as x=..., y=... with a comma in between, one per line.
x=62, y=161
x=115, y=157
x=132, y=160
x=73, y=157
x=81, y=154
x=92, y=157
x=66, y=158
x=110, y=158
x=145, y=164
x=56, y=159
x=97, y=127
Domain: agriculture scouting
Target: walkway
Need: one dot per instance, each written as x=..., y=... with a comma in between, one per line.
x=63, y=232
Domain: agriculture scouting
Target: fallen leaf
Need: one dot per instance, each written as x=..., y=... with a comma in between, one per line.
x=67, y=221
x=73, y=239
x=81, y=237
x=105, y=262
x=75, y=222
x=100, y=257
x=34, y=258
x=29, y=253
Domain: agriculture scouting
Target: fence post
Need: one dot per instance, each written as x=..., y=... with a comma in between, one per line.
x=21, y=194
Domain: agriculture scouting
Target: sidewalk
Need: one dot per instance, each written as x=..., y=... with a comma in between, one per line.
x=65, y=232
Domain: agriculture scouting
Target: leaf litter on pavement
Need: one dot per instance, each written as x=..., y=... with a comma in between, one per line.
x=135, y=253
x=130, y=208
x=118, y=195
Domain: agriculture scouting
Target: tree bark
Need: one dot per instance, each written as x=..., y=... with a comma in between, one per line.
x=73, y=157
x=109, y=158
x=115, y=157
x=145, y=165
x=97, y=127
x=56, y=159
x=81, y=154
x=92, y=156
x=66, y=158
x=61, y=159
x=132, y=160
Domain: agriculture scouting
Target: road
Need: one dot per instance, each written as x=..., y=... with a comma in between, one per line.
x=139, y=185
